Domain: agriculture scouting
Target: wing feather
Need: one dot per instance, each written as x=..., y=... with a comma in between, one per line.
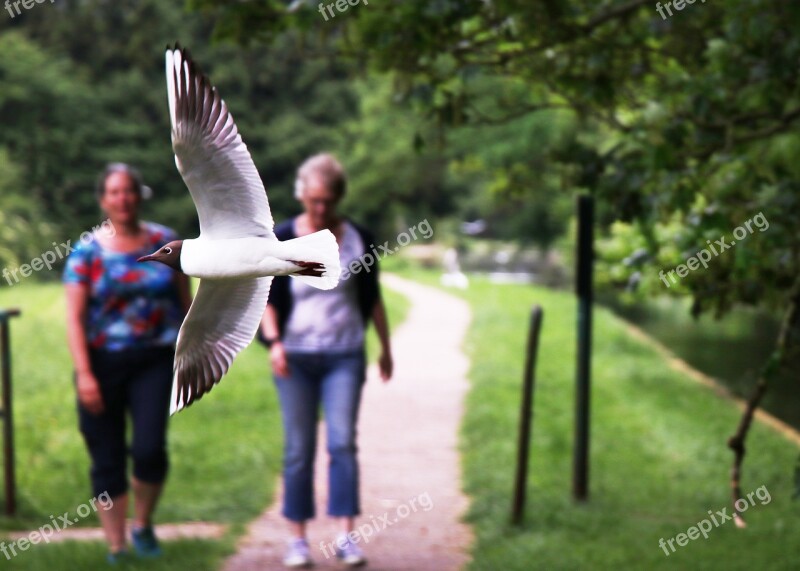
x=222, y=321
x=213, y=160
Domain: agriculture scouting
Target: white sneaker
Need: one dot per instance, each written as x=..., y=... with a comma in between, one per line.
x=298, y=554
x=349, y=553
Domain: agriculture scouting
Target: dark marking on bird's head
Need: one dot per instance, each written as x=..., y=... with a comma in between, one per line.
x=169, y=254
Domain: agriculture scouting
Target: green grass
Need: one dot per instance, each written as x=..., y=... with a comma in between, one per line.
x=658, y=455
x=659, y=460
x=224, y=450
x=79, y=555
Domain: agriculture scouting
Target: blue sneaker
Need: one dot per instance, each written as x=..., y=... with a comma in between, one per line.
x=145, y=542
x=349, y=553
x=118, y=558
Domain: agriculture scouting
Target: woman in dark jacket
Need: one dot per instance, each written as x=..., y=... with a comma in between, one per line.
x=318, y=359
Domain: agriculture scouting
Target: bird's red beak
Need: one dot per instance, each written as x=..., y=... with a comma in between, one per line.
x=148, y=258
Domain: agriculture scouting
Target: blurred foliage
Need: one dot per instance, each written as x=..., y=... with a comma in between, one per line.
x=23, y=232
x=98, y=95
x=684, y=127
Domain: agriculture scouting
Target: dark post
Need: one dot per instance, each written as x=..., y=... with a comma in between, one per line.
x=526, y=416
x=580, y=466
x=8, y=424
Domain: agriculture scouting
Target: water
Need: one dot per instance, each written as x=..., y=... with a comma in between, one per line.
x=732, y=350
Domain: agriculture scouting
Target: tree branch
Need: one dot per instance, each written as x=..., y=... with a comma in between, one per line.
x=613, y=13
x=736, y=442
x=783, y=124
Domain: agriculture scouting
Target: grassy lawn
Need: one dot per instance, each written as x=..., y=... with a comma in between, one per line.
x=225, y=450
x=659, y=461
x=658, y=456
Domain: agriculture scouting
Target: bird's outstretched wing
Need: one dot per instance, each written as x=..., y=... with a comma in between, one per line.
x=215, y=164
x=223, y=319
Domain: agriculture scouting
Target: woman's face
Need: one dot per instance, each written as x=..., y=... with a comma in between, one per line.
x=319, y=202
x=120, y=200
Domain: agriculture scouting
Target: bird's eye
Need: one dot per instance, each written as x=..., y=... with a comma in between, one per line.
x=167, y=250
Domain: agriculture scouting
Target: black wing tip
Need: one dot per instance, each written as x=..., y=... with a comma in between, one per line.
x=190, y=398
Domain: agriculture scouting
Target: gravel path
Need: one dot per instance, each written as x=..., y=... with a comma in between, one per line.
x=410, y=479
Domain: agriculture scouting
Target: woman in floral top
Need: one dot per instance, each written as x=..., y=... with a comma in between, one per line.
x=122, y=323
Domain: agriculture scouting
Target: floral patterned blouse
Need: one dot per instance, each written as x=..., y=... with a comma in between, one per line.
x=131, y=305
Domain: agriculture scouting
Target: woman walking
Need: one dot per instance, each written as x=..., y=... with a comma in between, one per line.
x=318, y=360
x=122, y=322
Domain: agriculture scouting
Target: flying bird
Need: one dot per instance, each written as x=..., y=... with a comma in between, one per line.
x=237, y=252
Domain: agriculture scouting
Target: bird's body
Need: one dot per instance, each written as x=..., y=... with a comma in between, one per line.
x=237, y=252
x=251, y=257
x=234, y=258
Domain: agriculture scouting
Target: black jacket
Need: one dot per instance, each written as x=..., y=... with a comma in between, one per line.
x=369, y=292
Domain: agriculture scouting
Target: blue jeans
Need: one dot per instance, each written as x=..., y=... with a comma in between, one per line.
x=333, y=380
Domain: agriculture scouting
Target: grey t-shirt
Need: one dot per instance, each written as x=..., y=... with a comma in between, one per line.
x=325, y=321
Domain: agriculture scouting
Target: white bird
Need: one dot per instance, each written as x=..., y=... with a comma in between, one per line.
x=237, y=252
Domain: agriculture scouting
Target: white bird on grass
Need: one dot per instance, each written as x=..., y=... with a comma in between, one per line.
x=237, y=253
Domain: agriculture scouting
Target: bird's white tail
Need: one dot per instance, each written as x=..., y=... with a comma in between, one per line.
x=320, y=247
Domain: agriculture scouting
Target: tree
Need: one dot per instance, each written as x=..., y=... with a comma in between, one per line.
x=687, y=118
x=23, y=232
x=84, y=106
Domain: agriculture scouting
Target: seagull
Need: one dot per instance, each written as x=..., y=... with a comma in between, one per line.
x=237, y=253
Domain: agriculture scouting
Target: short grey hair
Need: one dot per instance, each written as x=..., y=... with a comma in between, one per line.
x=327, y=168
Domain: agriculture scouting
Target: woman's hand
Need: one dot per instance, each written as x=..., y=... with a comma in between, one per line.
x=89, y=393
x=277, y=355
x=386, y=365
x=382, y=327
